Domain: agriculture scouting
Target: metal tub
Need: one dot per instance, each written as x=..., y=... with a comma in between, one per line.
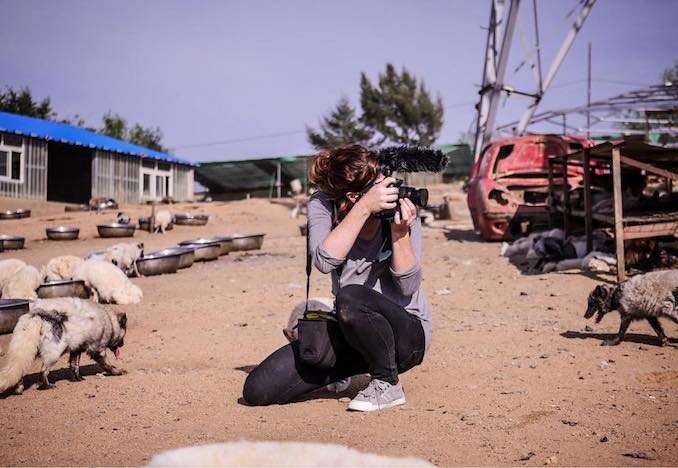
x=145, y=224
x=10, y=311
x=23, y=213
x=188, y=219
x=205, y=250
x=9, y=214
x=62, y=233
x=248, y=241
x=116, y=230
x=186, y=255
x=12, y=242
x=226, y=243
x=158, y=264
x=65, y=288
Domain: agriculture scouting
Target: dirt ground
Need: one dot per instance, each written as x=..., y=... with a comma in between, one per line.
x=512, y=376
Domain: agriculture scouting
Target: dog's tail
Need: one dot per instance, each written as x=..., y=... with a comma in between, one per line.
x=22, y=351
x=129, y=294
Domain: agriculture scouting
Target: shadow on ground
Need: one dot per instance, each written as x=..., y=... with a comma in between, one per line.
x=630, y=337
x=54, y=377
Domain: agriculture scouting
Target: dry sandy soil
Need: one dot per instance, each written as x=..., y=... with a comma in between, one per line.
x=512, y=377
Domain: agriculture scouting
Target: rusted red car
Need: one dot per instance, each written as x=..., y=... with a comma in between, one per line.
x=509, y=183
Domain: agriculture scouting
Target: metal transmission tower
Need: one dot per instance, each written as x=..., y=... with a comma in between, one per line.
x=496, y=61
x=651, y=99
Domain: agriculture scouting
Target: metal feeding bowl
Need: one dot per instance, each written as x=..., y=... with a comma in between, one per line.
x=65, y=288
x=23, y=213
x=81, y=207
x=145, y=224
x=62, y=233
x=116, y=230
x=226, y=244
x=158, y=263
x=10, y=214
x=12, y=242
x=186, y=255
x=10, y=311
x=248, y=241
x=205, y=249
x=188, y=219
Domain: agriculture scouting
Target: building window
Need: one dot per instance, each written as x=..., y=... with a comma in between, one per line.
x=156, y=180
x=11, y=157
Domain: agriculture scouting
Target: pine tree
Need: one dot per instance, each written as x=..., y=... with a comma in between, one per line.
x=21, y=102
x=340, y=127
x=401, y=110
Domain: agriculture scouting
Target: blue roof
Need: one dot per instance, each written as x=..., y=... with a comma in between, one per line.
x=55, y=131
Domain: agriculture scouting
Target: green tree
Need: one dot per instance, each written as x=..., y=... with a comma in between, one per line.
x=21, y=102
x=148, y=137
x=339, y=127
x=115, y=126
x=400, y=109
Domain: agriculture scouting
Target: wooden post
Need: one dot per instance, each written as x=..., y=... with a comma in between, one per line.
x=566, y=199
x=618, y=213
x=587, y=201
x=151, y=221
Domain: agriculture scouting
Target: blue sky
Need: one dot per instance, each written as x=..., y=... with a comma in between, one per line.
x=213, y=71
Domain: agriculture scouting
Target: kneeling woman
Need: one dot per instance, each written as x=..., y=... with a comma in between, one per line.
x=376, y=279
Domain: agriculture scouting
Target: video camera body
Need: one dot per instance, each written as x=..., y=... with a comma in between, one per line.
x=409, y=159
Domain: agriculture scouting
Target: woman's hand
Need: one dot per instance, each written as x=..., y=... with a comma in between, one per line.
x=403, y=218
x=380, y=197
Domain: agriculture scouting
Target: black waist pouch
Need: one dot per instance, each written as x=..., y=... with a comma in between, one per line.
x=320, y=339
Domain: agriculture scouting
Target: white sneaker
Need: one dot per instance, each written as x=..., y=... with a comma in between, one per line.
x=378, y=395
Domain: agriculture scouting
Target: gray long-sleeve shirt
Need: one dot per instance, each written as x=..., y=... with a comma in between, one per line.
x=364, y=264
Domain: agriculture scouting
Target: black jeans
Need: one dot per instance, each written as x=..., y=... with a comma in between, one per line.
x=384, y=340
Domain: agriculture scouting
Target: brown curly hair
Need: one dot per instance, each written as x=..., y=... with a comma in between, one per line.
x=342, y=170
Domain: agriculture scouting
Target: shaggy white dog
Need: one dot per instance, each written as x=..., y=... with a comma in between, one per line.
x=8, y=268
x=22, y=284
x=163, y=219
x=124, y=256
x=60, y=268
x=107, y=282
x=246, y=453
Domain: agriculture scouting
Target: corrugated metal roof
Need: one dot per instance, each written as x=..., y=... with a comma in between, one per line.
x=55, y=131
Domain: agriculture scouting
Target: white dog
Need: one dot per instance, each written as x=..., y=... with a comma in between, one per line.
x=108, y=283
x=163, y=219
x=22, y=284
x=60, y=268
x=125, y=256
x=246, y=453
x=122, y=255
x=8, y=268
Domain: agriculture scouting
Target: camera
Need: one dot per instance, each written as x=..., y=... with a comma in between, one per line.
x=417, y=196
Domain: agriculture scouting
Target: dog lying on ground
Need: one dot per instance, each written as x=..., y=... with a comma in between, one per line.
x=268, y=453
x=648, y=296
x=22, y=284
x=54, y=327
x=8, y=268
x=107, y=282
x=60, y=268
